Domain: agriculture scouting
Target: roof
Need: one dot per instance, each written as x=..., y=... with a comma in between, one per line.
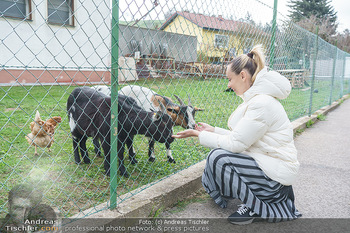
x=208, y=22
x=150, y=24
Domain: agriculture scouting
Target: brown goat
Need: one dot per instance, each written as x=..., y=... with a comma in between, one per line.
x=181, y=115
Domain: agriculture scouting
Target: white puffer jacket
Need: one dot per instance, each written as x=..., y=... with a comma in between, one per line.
x=260, y=128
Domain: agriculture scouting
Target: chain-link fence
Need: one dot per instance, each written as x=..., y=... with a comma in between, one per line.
x=53, y=51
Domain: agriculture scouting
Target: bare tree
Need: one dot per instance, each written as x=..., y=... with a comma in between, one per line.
x=327, y=29
x=344, y=40
x=169, y=13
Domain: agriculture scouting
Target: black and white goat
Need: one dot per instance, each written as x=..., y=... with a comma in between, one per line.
x=182, y=115
x=107, y=91
x=89, y=116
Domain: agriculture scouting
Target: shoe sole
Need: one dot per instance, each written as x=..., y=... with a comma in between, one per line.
x=243, y=222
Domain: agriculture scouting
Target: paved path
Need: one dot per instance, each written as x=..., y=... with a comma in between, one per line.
x=322, y=189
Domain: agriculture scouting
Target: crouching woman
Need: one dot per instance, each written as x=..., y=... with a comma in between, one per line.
x=256, y=160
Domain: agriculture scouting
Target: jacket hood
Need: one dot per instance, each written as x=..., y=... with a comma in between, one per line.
x=269, y=83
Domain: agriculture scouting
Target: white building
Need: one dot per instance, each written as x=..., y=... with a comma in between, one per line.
x=50, y=41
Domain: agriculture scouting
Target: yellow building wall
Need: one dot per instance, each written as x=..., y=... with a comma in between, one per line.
x=208, y=45
x=181, y=25
x=206, y=38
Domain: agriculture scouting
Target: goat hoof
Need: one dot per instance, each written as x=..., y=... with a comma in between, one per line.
x=77, y=162
x=171, y=160
x=151, y=159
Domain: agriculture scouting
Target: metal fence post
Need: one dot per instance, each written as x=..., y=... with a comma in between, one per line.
x=274, y=22
x=333, y=72
x=343, y=77
x=345, y=56
x=114, y=103
x=313, y=72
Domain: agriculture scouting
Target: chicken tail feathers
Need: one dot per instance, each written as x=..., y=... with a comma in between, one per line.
x=37, y=116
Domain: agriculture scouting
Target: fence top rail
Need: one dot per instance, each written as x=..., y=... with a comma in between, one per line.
x=292, y=70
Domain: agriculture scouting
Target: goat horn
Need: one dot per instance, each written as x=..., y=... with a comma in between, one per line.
x=189, y=101
x=180, y=101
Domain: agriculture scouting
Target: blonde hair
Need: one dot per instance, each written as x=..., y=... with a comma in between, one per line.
x=253, y=62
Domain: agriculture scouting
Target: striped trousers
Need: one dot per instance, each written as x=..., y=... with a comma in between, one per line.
x=232, y=175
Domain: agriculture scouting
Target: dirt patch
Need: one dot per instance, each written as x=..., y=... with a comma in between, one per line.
x=11, y=109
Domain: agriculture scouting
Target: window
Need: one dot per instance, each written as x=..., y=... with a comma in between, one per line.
x=221, y=41
x=60, y=12
x=20, y=9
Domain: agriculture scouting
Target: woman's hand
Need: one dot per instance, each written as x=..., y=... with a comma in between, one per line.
x=204, y=127
x=194, y=132
x=187, y=133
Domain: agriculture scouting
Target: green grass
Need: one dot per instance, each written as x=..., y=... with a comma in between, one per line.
x=73, y=188
x=321, y=117
x=310, y=123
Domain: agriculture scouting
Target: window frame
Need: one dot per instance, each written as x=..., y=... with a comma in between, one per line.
x=28, y=15
x=221, y=45
x=71, y=21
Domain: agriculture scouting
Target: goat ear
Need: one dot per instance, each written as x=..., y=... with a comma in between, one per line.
x=161, y=106
x=198, y=109
x=158, y=115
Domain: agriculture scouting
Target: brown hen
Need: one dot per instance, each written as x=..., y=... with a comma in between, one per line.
x=42, y=132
